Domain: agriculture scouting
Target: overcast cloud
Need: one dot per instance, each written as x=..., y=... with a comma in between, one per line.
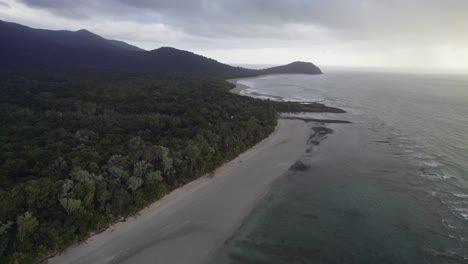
x=396, y=33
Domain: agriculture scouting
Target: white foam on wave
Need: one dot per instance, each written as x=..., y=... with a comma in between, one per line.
x=247, y=91
x=431, y=164
x=451, y=226
x=436, y=177
x=295, y=100
x=266, y=77
x=262, y=97
x=460, y=195
x=254, y=94
x=246, y=83
x=407, y=146
x=461, y=211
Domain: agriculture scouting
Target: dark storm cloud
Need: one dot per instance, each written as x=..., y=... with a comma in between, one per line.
x=82, y=9
x=333, y=13
x=417, y=19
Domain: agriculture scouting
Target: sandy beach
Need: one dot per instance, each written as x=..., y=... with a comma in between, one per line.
x=192, y=223
x=239, y=87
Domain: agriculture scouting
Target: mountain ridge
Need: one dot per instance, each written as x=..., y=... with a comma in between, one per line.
x=26, y=48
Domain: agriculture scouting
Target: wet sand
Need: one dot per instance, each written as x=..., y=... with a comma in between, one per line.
x=192, y=223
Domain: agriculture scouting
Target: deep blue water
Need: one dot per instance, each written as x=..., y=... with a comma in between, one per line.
x=392, y=187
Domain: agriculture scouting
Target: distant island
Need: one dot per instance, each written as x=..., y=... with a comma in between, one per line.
x=25, y=48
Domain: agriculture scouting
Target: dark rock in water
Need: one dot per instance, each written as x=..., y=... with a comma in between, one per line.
x=320, y=134
x=299, y=166
x=382, y=141
x=315, y=142
x=322, y=130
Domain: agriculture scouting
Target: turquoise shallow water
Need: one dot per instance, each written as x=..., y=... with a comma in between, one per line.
x=390, y=188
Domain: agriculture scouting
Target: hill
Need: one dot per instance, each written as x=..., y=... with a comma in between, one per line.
x=25, y=48
x=295, y=67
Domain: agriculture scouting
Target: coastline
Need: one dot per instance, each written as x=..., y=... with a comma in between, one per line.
x=191, y=223
x=239, y=87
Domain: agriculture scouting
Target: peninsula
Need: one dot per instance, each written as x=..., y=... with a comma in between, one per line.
x=95, y=130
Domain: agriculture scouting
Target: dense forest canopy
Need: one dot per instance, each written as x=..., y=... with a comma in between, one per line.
x=76, y=155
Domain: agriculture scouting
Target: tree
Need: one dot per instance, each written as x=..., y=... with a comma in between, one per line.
x=134, y=183
x=81, y=175
x=166, y=160
x=59, y=165
x=26, y=224
x=70, y=205
x=117, y=161
x=154, y=176
x=4, y=228
x=192, y=153
x=38, y=193
x=102, y=197
x=118, y=172
x=141, y=168
x=67, y=186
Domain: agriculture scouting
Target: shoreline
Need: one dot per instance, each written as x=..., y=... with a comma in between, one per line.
x=239, y=87
x=314, y=107
x=201, y=215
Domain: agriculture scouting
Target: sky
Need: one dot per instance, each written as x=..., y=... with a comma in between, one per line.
x=406, y=34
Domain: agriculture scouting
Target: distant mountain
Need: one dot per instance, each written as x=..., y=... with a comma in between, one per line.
x=25, y=48
x=168, y=59
x=295, y=67
x=82, y=38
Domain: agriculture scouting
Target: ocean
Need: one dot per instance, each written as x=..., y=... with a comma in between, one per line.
x=391, y=187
